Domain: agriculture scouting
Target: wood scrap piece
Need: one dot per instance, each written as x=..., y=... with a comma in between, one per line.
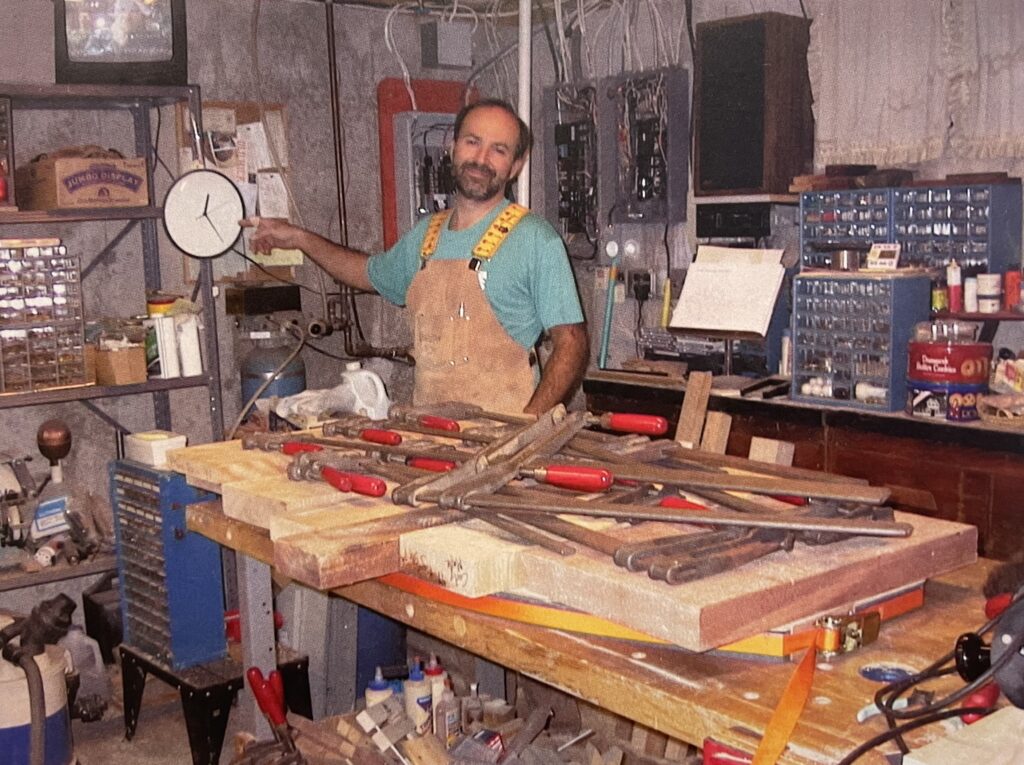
x=425, y=750
x=209, y=466
x=695, y=407
x=257, y=500
x=465, y=558
x=339, y=556
x=341, y=511
x=771, y=451
x=716, y=432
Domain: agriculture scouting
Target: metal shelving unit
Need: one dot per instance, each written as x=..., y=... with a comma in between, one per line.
x=138, y=102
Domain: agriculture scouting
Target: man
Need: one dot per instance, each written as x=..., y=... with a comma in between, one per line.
x=481, y=282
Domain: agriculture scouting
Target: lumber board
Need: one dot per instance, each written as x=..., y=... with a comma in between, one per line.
x=716, y=432
x=695, y=407
x=342, y=555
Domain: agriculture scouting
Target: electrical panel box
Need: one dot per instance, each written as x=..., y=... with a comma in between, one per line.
x=850, y=335
x=424, y=183
x=172, y=595
x=643, y=144
x=978, y=225
x=570, y=177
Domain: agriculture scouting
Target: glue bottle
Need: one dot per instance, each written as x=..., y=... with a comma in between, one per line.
x=416, y=691
x=378, y=689
x=438, y=679
x=472, y=710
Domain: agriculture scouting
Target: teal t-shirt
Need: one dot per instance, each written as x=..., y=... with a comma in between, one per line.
x=529, y=282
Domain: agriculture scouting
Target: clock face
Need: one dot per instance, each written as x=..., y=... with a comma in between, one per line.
x=202, y=211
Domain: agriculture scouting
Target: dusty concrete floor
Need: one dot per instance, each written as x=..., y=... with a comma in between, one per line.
x=160, y=737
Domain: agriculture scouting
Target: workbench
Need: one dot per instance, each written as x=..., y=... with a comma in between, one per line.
x=687, y=696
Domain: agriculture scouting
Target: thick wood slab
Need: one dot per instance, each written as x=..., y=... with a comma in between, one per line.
x=337, y=556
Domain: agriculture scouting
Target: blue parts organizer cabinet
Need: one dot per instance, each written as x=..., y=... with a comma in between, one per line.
x=172, y=595
x=850, y=334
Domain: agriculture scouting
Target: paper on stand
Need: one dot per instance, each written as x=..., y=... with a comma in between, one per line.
x=734, y=291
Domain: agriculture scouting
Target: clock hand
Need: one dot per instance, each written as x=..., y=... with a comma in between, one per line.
x=206, y=207
x=204, y=215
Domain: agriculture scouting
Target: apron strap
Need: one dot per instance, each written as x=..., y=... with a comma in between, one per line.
x=489, y=243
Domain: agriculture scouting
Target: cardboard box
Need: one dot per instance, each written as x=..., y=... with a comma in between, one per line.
x=121, y=367
x=51, y=184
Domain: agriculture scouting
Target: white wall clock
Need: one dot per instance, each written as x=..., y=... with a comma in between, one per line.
x=202, y=211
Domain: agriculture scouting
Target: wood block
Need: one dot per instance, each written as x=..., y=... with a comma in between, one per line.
x=716, y=432
x=465, y=558
x=771, y=451
x=345, y=555
x=425, y=750
x=209, y=466
x=695, y=407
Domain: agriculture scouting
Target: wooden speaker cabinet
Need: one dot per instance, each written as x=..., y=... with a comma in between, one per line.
x=754, y=125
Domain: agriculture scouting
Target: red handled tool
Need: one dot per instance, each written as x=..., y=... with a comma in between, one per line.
x=645, y=424
x=368, y=485
x=269, y=693
x=378, y=436
x=680, y=503
x=438, y=423
x=986, y=696
x=431, y=464
x=291, y=448
x=575, y=477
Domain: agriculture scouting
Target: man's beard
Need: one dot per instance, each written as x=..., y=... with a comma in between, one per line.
x=478, y=190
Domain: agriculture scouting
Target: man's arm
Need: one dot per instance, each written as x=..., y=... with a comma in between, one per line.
x=343, y=263
x=564, y=368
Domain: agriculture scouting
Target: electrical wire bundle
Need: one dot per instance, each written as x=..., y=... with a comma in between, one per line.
x=901, y=721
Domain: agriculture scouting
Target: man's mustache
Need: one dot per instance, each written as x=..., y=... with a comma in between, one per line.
x=477, y=167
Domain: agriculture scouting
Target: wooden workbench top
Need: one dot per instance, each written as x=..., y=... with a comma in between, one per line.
x=685, y=695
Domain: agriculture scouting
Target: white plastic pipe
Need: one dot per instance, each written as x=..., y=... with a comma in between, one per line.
x=525, y=93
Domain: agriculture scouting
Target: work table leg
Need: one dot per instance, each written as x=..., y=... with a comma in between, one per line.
x=255, y=606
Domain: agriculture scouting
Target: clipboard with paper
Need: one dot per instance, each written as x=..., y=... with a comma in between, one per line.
x=729, y=291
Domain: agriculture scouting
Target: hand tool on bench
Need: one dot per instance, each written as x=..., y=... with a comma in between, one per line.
x=344, y=473
x=620, y=422
x=295, y=443
x=269, y=693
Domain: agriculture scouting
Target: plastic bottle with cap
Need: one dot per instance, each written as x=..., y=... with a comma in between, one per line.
x=416, y=692
x=363, y=392
x=437, y=676
x=377, y=689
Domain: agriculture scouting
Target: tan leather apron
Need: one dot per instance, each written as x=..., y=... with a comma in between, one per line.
x=462, y=351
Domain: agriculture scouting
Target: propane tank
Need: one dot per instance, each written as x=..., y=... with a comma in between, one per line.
x=267, y=355
x=15, y=712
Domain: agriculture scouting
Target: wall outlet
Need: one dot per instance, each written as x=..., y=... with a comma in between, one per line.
x=640, y=284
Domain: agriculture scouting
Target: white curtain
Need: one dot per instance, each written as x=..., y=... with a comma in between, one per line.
x=908, y=81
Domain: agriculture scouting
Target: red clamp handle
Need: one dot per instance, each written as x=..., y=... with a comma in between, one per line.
x=368, y=485
x=336, y=478
x=266, y=696
x=439, y=423
x=986, y=696
x=680, y=504
x=298, y=447
x=377, y=436
x=577, y=477
x=431, y=464
x=647, y=424
x=995, y=605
